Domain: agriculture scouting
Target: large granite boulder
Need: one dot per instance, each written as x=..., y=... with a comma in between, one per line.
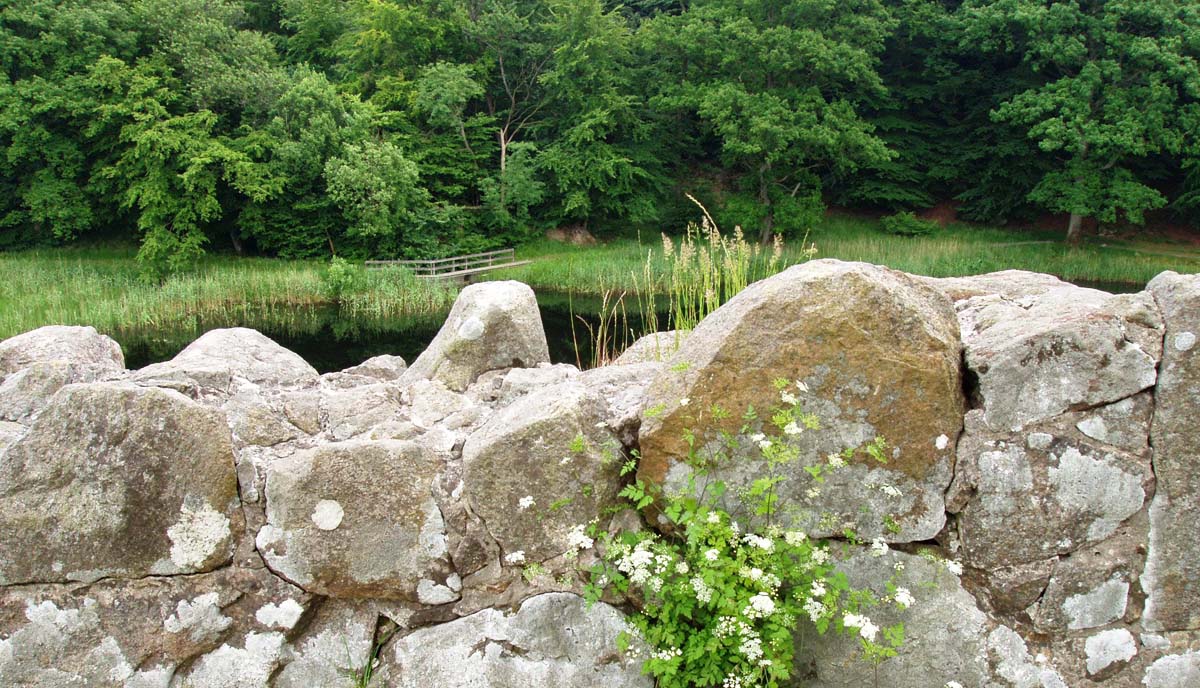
x=114, y=480
x=492, y=325
x=1172, y=577
x=358, y=519
x=218, y=356
x=876, y=353
x=26, y=392
x=65, y=344
x=539, y=468
x=552, y=641
x=1037, y=356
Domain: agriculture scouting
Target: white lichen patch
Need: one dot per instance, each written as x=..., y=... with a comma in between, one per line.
x=1174, y=671
x=110, y=660
x=1039, y=440
x=431, y=593
x=1099, y=607
x=472, y=328
x=1108, y=647
x=48, y=615
x=328, y=514
x=158, y=677
x=432, y=537
x=231, y=667
x=1014, y=663
x=1085, y=484
x=284, y=615
x=201, y=617
x=1184, y=341
x=1094, y=427
x=197, y=536
x=1153, y=641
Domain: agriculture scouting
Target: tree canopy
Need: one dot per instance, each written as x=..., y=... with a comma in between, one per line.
x=419, y=128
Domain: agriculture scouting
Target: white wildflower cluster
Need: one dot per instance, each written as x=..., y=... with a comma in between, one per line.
x=684, y=401
x=866, y=629
x=890, y=490
x=565, y=460
x=577, y=539
x=730, y=626
x=787, y=397
x=792, y=428
x=525, y=502
x=764, y=543
x=794, y=537
x=761, y=440
x=904, y=598
x=682, y=568
x=878, y=547
x=712, y=554
x=713, y=518
x=732, y=682
x=953, y=566
x=820, y=556
x=517, y=557
x=815, y=609
x=953, y=684
x=667, y=654
x=704, y=593
x=643, y=566
x=761, y=606
x=836, y=461
x=751, y=647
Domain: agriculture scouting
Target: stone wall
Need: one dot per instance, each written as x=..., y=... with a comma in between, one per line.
x=232, y=518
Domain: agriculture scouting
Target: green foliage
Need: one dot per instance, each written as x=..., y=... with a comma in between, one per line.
x=377, y=189
x=719, y=599
x=907, y=224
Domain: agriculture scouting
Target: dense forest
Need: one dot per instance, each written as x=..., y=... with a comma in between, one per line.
x=418, y=128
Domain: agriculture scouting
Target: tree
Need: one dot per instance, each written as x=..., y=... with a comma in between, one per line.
x=778, y=85
x=1119, y=82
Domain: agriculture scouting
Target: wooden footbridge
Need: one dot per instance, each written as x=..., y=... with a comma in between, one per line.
x=457, y=267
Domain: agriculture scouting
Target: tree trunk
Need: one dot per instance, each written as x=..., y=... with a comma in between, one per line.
x=1075, y=229
x=767, y=237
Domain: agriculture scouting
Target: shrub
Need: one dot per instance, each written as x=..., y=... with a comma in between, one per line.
x=907, y=224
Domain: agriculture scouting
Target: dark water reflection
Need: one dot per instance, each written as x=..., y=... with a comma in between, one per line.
x=330, y=340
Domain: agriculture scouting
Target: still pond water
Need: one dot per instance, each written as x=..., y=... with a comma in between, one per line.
x=331, y=341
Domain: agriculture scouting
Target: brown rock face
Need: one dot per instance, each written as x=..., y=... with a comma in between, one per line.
x=879, y=355
x=114, y=480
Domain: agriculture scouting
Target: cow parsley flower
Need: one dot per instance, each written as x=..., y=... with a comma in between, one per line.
x=904, y=598
x=953, y=567
x=794, y=537
x=836, y=461
x=792, y=429
x=684, y=401
x=712, y=554
x=787, y=397
x=878, y=547
x=525, y=502
x=578, y=539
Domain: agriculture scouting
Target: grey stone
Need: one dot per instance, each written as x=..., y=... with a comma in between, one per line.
x=1172, y=576
x=10, y=433
x=334, y=645
x=552, y=641
x=492, y=325
x=385, y=367
x=218, y=356
x=521, y=381
x=354, y=411
x=623, y=389
x=1021, y=502
x=526, y=451
x=879, y=355
x=1013, y=589
x=26, y=392
x=129, y=634
x=118, y=480
x=65, y=344
x=1013, y=285
x=356, y=519
x=947, y=636
x=1039, y=356
x=1091, y=587
x=656, y=347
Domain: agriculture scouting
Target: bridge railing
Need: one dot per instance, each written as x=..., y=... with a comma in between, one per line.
x=455, y=266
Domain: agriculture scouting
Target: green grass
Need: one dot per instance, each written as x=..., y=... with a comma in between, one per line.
x=100, y=287
x=949, y=252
